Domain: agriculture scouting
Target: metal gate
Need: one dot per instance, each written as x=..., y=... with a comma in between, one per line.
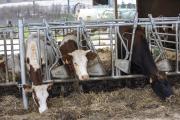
x=95, y=33
x=9, y=52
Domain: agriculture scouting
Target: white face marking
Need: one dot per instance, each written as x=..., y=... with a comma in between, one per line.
x=42, y=95
x=32, y=55
x=80, y=63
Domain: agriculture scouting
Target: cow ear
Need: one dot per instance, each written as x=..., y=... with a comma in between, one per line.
x=27, y=88
x=91, y=55
x=67, y=59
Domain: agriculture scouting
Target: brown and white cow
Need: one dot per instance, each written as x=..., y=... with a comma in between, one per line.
x=76, y=59
x=143, y=63
x=10, y=66
x=34, y=61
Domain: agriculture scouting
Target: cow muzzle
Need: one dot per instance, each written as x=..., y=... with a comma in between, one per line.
x=43, y=109
x=84, y=77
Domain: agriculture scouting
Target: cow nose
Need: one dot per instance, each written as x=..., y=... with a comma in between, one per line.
x=85, y=77
x=43, y=109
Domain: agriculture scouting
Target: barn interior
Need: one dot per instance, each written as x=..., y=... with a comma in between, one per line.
x=108, y=94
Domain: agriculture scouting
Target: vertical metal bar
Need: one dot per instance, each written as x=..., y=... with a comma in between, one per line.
x=177, y=49
x=99, y=38
x=112, y=58
x=12, y=56
x=45, y=55
x=22, y=61
x=68, y=6
x=116, y=50
x=39, y=48
x=133, y=36
x=5, y=53
x=178, y=39
x=78, y=37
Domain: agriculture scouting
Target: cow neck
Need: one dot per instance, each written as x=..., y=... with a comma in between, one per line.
x=71, y=69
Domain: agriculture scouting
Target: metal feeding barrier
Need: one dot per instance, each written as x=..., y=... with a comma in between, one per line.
x=94, y=35
x=164, y=38
x=9, y=50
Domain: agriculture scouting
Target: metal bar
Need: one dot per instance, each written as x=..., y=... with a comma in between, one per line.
x=108, y=24
x=5, y=53
x=108, y=78
x=158, y=19
x=39, y=48
x=8, y=84
x=166, y=41
x=12, y=55
x=98, y=78
x=133, y=37
x=169, y=34
x=22, y=61
x=111, y=47
x=46, y=55
x=177, y=49
x=116, y=51
x=79, y=43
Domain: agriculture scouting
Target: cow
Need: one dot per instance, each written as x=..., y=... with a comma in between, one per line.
x=169, y=9
x=10, y=65
x=76, y=59
x=143, y=63
x=35, y=60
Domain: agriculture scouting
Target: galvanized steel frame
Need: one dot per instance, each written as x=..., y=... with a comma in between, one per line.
x=111, y=24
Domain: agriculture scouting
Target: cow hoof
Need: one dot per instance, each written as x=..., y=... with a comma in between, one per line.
x=171, y=99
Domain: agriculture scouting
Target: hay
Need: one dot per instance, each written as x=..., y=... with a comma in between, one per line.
x=137, y=104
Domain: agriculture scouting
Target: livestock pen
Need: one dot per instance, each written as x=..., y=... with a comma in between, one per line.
x=97, y=34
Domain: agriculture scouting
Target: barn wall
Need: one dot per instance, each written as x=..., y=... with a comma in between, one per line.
x=169, y=8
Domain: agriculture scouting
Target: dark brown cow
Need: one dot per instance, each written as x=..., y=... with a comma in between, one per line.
x=168, y=8
x=143, y=63
x=76, y=59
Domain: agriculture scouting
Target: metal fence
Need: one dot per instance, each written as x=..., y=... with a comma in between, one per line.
x=96, y=34
x=9, y=52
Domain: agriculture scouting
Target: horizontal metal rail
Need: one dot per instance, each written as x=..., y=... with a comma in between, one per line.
x=104, y=25
x=108, y=78
x=8, y=84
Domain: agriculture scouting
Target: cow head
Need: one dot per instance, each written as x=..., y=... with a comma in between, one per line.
x=79, y=59
x=39, y=94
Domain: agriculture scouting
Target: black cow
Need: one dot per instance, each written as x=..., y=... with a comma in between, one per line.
x=142, y=62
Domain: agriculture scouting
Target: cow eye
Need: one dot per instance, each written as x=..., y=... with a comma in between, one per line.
x=75, y=64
